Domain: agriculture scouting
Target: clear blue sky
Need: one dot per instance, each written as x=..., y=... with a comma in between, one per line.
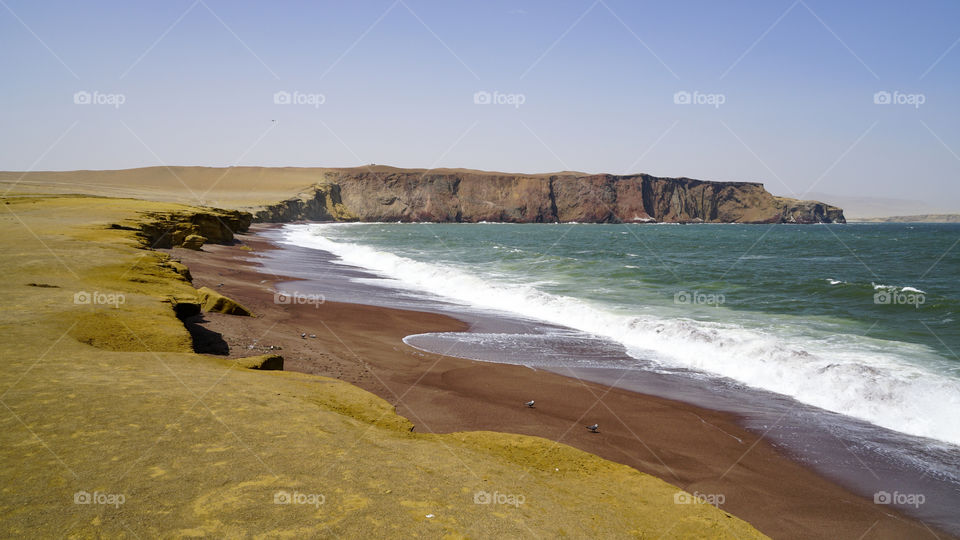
x=398, y=79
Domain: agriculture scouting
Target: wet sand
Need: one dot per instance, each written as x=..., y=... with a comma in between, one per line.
x=700, y=450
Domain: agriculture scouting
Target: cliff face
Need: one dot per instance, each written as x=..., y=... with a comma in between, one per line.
x=320, y=203
x=455, y=196
x=169, y=229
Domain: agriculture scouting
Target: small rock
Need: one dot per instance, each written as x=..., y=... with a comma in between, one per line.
x=194, y=241
x=211, y=300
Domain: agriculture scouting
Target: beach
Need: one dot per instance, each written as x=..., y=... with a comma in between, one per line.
x=703, y=451
x=115, y=426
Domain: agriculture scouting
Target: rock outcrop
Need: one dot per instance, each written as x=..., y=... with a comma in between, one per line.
x=445, y=195
x=190, y=229
x=211, y=300
x=194, y=242
x=795, y=211
x=320, y=203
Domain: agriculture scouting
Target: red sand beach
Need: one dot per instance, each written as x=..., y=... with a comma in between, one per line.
x=697, y=449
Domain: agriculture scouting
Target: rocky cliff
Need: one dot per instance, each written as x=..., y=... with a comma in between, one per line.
x=188, y=228
x=444, y=195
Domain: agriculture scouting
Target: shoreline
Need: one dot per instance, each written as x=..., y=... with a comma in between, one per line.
x=697, y=449
x=120, y=428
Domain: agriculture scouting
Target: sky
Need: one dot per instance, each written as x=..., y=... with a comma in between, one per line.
x=837, y=98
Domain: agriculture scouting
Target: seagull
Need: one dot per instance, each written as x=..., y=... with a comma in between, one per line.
x=594, y=428
x=303, y=335
x=529, y=403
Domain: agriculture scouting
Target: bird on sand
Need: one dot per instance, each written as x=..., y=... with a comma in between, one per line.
x=594, y=428
x=529, y=403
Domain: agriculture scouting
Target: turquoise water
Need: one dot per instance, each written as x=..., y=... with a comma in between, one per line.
x=859, y=319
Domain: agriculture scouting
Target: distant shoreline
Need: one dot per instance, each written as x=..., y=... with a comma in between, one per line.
x=920, y=218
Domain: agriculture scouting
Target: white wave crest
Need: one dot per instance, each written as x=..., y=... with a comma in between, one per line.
x=878, y=286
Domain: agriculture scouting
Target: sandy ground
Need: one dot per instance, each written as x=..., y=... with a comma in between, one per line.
x=699, y=450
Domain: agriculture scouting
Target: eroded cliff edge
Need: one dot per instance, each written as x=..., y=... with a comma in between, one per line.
x=473, y=196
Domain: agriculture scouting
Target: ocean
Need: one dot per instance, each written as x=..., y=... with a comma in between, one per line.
x=851, y=329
